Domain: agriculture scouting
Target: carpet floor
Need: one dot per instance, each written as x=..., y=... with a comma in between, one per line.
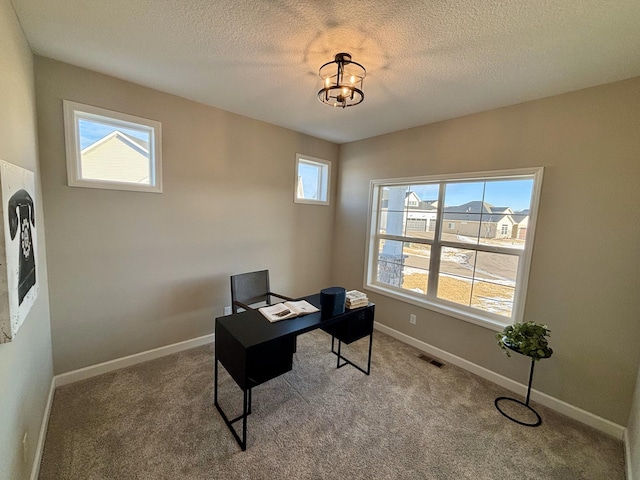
x=407, y=420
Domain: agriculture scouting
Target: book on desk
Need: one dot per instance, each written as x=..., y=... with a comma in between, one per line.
x=356, y=299
x=290, y=309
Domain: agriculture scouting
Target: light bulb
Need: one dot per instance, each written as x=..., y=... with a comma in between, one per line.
x=353, y=79
x=327, y=81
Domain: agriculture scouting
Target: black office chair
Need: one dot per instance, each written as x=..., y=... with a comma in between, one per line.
x=250, y=288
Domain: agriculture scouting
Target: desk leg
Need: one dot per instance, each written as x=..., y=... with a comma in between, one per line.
x=245, y=404
x=349, y=362
x=246, y=410
x=370, y=347
x=215, y=381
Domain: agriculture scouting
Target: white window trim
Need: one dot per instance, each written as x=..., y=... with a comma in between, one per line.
x=309, y=201
x=485, y=319
x=72, y=144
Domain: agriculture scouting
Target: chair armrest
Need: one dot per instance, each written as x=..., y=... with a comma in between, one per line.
x=242, y=305
x=281, y=296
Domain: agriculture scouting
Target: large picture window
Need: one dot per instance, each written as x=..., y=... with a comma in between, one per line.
x=458, y=244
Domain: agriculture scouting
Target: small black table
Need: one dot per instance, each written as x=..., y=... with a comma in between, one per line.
x=254, y=350
x=526, y=403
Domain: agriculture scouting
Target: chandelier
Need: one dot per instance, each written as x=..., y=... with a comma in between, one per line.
x=341, y=82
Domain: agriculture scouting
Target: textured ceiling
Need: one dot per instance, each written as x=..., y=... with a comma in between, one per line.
x=426, y=60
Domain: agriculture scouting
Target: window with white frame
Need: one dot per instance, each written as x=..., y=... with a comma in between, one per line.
x=467, y=266
x=312, y=180
x=112, y=150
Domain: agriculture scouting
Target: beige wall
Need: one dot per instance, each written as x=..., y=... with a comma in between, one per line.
x=134, y=271
x=583, y=280
x=633, y=435
x=25, y=363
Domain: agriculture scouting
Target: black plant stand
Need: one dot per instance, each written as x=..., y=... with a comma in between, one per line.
x=526, y=403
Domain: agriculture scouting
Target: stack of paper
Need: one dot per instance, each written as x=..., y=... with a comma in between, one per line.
x=356, y=299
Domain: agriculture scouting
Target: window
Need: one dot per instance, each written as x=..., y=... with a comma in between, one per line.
x=312, y=180
x=462, y=260
x=111, y=150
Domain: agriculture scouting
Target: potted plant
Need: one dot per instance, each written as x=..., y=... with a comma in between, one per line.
x=527, y=338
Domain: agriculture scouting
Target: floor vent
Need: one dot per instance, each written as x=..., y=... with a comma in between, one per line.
x=430, y=360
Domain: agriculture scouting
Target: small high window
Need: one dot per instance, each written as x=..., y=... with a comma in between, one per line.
x=111, y=150
x=312, y=180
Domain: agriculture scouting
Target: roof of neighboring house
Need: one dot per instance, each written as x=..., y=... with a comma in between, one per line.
x=520, y=215
x=471, y=211
x=143, y=143
x=475, y=206
x=476, y=217
x=501, y=210
x=140, y=145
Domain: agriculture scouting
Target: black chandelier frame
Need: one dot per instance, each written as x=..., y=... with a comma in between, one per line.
x=344, y=87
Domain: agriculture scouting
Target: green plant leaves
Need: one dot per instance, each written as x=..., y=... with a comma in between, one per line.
x=527, y=338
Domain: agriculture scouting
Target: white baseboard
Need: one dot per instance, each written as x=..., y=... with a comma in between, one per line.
x=118, y=363
x=627, y=456
x=35, y=469
x=599, y=423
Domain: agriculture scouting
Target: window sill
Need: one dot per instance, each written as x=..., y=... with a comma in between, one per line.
x=490, y=323
x=308, y=201
x=123, y=186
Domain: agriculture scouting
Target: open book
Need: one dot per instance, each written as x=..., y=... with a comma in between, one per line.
x=282, y=311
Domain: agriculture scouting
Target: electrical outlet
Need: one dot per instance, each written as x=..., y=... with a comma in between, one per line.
x=25, y=440
x=412, y=319
x=227, y=310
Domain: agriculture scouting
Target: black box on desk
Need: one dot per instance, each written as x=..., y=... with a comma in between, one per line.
x=332, y=301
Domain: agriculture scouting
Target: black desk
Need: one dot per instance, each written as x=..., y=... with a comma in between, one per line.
x=254, y=350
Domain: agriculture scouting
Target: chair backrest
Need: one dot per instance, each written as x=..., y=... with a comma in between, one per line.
x=250, y=288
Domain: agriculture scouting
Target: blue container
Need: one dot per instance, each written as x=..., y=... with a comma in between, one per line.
x=332, y=301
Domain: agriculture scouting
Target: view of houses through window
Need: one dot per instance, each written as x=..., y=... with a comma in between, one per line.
x=461, y=244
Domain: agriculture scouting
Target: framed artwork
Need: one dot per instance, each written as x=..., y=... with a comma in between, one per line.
x=18, y=253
